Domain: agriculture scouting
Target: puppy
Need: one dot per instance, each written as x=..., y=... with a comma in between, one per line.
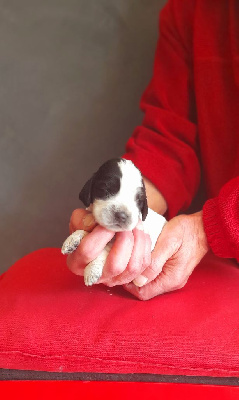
x=117, y=198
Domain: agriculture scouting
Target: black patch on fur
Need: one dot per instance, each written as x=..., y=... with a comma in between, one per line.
x=103, y=184
x=85, y=193
x=141, y=201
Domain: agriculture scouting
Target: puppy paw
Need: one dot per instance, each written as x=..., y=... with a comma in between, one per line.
x=92, y=274
x=73, y=241
x=94, y=269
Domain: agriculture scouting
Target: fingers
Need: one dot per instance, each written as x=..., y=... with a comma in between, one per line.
x=160, y=285
x=119, y=256
x=163, y=250
x=90, y=247
x=82, y=219
x=144, y=293
x=164, y=283
x=131, y=260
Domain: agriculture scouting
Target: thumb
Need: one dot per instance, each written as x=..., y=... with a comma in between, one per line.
x=82, y=219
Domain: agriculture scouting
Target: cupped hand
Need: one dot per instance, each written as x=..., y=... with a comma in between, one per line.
x=179, y=249
x=91, y=245
x=129, y=257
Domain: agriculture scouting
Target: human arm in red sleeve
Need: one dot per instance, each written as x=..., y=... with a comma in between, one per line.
x=221, y=221
x=164, y=147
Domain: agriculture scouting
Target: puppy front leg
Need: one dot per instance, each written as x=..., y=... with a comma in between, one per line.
x=94, y=269
x=73, y=241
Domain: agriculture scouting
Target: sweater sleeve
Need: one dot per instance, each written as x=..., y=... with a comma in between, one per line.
x=164, y=146
x=221, y=221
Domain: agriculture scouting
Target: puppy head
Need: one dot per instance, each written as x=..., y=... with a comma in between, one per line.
x=117, y=196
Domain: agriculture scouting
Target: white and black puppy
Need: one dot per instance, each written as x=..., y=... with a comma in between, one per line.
x=117, y=195
x=117, y=198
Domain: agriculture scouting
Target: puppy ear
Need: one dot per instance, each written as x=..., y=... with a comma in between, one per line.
x=86, y=192
x=143, y=203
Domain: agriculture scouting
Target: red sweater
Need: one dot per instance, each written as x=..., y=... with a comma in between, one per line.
x=191, y=123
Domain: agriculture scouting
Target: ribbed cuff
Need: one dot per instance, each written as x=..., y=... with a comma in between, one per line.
x=215, y=231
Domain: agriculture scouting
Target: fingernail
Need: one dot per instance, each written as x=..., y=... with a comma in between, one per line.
x=140, y=281
x=88, y=220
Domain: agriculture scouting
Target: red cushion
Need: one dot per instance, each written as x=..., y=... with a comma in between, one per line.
x=50, y=321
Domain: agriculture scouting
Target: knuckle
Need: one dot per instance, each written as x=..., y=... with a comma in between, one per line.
x=115, y=269
x=139, y=293
x=142, y=296
x=147, y=260
x=134, y=268
x=153, y=267
x=146, y=265
x=75, y=215
x=182, y=284
x=178, y=284
x=74, y=212
x=77, y=218
x=175, y=287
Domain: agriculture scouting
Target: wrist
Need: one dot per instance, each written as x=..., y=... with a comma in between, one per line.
x=156, y=200
x=201, y=234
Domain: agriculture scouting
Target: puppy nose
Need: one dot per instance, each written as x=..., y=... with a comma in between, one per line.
x=121, y=216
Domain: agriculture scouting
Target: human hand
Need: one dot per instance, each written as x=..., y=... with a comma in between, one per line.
x=180, y=247
x=82, y=219
x=130, y=253
x=91, y=245
x=129, y=257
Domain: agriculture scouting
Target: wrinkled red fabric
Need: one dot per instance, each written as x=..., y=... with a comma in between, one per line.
x=50, y=321
x=191, y=119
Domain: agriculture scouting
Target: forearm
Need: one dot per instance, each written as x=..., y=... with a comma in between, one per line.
x=156, y=201
x=164, y=146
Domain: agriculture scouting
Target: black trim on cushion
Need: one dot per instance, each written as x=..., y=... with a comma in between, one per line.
x=16, y=375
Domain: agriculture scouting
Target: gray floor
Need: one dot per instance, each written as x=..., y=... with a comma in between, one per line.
x=72, y=73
